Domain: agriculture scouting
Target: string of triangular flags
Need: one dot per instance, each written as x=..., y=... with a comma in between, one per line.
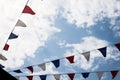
x=69, y=58
x=71, y=75
x=20, y=23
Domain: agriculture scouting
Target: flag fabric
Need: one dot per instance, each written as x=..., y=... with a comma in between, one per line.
x=103, y=51
x=87, y=55
x=12, y=36
x=43, y=77
x=85, y=75
x=28, y=10
x=18, y=71
x=6, y=47
x=57, y=76
x=17, y=77
x=71, y=76
x=118, y=46
x=1, y=66
x=30, y=68
x=114, y=73
x=56, y=63
x=99, y=75
x=42, y=66
x=20, y=23
x=70, y=59
x=30, y=77
x=3, y=57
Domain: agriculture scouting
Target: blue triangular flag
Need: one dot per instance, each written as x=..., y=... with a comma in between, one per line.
x=85, y=75
x=12, y=36
x=103, y=51
x=56, y=63
x=1, y=66
x=43, y=77
x=18, y=71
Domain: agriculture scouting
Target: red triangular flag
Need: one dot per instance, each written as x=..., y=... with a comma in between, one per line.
x=70, y=59
x=28, y=10
x=6, y=47
x=30, y=77
x=30, y=68
x=114, y=73
x=71, y=76
x=118, y=46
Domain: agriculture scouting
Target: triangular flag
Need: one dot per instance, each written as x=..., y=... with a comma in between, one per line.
x=18, y=71
x=100, y=75
x=71, y=76
x=6, y=47
x=20, y=23
x=87, y=55
x=3, y=57
x=30, y=68
x=57, y=76
x=12, y=36
x=85, y=75
x=43, y=77
x=114, y=73
x=103, y=51
x=30, y=77
x=56, y=63
x=118, y=46
x=28, y=10
x=1, y=66
x=17, y=77
x=70, y=59
x=42, y=66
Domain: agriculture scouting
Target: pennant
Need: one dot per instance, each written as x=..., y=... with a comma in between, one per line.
x=43, y=77
x=12, y=36
x=17, y=77
x=70, y=59
x=18, y=71
x=85, y=75
x=71, y=76
x=100, y=75
x=3, y=57
x=30, y=77
x=30, y=68
x=118, y=46
x=6, y=47
x=87, y=55
x=20, y=23
x=42, y=66
x=56, y=63
x=57, y=76
x=1, y=66
x=114, y=73
x=28, y=10
x=103, y=51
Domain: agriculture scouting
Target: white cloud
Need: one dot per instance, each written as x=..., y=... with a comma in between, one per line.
x=89, y=11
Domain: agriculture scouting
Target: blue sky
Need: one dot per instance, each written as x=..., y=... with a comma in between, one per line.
x=63, y=28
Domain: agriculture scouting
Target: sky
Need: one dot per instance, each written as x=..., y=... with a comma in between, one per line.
x=62, y=28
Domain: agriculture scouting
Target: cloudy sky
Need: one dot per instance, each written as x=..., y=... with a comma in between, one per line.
x=62, y=28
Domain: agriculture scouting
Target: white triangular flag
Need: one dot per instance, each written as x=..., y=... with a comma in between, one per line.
x=57, y=76
x=87, y=55
x=3, y=57
x=100, y=75
x=20, y=23
x=42, y=66
x=17, y=77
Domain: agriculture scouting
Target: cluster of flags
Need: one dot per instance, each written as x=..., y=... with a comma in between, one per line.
x=20, y=23
x=71, y=76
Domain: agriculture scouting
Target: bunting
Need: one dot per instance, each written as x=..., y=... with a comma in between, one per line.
x=85, y=75
x=20, y=23
x=42, y=66
x=17, y=77
x=70, y=59
x=71, y=76
x=30, y=68
x=57, y=76
x=43, y=77
x=28, y=10
x=114, y=73
x=12, y=36
x=6, y=47
x=99, y=75
x=3, y=57
x=18, y=71
x=103, y=51
x=56, y=63
x=87, y=55
x=29, y=77
x=118, y=46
